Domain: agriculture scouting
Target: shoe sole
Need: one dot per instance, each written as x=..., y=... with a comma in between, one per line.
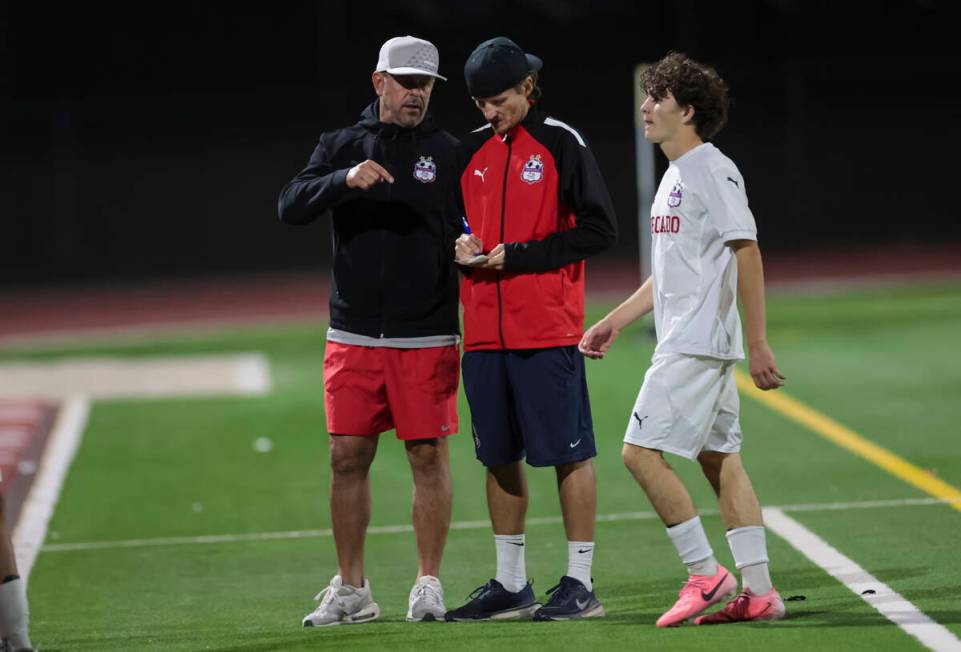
x=762, y=619
x=365, y=615
x=426, y=618
x=776, y=614
x=510, y=614
x=593, y=612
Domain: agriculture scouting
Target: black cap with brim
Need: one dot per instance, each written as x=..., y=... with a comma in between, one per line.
x=496, y=65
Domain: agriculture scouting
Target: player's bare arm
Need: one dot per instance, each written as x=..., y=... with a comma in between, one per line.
x=368, y=174
x=600, y=337
x=750, y=271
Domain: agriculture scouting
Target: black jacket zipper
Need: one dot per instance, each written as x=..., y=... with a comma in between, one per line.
x=383, y=245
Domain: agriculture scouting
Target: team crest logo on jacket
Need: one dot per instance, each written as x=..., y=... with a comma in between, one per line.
x=425, y=170
x=674, y=198
x=533, y=171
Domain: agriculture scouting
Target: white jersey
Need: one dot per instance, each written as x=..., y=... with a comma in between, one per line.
x=700, y=205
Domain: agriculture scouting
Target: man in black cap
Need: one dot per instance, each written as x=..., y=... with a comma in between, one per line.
x=535, y=207
x=392, y=346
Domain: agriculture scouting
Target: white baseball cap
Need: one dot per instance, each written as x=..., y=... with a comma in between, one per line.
x=408, y=55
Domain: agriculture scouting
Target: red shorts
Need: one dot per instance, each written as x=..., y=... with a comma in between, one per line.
x=368, y=390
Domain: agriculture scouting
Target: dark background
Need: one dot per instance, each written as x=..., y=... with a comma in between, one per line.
x=152, y=140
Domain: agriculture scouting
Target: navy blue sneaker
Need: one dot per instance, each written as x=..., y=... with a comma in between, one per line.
x=493, y=601
x=569, y=600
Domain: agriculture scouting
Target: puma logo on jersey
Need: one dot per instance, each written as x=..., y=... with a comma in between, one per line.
x=640, y=420
x=734, y=181
x=478, y=173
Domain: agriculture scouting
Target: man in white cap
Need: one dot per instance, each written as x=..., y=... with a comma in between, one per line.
x=391, y=359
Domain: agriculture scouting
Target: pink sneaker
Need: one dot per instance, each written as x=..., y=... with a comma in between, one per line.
x=747, y=606
x=699, y=593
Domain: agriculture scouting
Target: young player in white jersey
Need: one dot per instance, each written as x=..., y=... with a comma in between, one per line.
x=705, y=253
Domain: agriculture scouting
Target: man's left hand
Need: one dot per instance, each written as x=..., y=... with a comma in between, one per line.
x=764, y=369
x=495, y=259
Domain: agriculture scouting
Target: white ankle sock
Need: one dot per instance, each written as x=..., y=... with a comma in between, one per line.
x=692, y=547
x=749, y=548
x=580, y=556
x=14, y=614
x=511, y=570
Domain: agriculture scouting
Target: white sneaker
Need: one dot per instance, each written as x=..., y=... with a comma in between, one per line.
x=426, y=600
x=342, y=604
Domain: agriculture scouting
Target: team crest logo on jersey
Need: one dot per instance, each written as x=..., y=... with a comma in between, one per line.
x=425, y=170
x=533, y=171
x=674, y=198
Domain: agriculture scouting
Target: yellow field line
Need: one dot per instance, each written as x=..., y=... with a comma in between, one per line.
x=850, y=440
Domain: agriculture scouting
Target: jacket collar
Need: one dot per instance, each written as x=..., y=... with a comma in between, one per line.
x=370, y=120
x=533, y=117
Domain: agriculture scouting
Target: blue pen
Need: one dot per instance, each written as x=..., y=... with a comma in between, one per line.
x=466, y=225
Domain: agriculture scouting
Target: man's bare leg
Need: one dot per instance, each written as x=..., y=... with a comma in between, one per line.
x=350, y=460
x=708, y=583
x=507, y=504
x=507, y=498
x=430, y=466
x=578, y=494
x=736, y=499
x=668, y=495
x=741, y=511
x=577, y=489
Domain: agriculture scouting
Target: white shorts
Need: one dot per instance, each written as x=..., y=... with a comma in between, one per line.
x=686, y=405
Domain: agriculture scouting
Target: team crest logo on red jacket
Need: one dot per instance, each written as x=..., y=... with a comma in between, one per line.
x=674, y=198
x=533, y=171
x=425, y=170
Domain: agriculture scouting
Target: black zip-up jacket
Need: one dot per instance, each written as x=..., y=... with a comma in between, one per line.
x=393, y=270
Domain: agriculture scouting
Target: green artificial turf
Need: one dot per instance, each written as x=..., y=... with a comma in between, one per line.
x=882, y=362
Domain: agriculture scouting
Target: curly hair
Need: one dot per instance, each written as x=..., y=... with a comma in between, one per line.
x=692, y=84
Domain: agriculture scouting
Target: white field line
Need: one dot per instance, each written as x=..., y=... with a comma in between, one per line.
x=31, y=528
x=883, y=598
x=458, y=525
x=154, y=377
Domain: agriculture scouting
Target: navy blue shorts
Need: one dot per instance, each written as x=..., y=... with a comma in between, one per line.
x=531, y=401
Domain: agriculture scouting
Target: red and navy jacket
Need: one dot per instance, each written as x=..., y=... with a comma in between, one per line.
x=538, y=190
